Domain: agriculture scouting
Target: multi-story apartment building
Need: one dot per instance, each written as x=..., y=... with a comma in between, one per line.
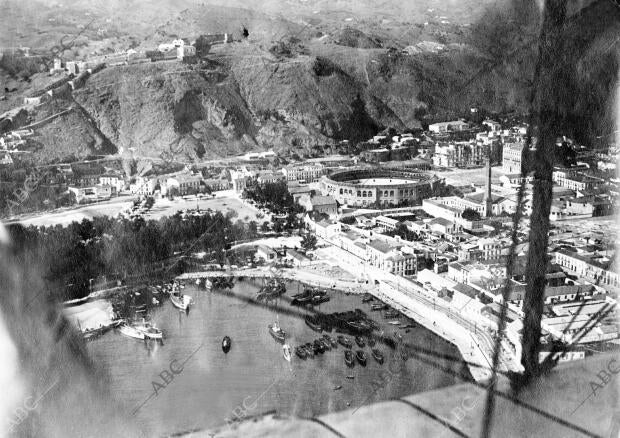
x=184, y=184
x=459, y=154
x=392, y=258
x=304, y=173
x=593, y=267
x=512, y=157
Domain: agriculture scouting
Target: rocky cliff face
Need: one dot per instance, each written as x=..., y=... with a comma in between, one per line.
x=249, y=102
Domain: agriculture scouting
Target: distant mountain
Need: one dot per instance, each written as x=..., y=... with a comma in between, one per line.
x=312, y=72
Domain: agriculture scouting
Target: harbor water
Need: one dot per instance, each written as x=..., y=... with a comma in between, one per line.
x=187, y=382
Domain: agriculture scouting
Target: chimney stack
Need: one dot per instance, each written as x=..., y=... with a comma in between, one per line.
x=488, y=200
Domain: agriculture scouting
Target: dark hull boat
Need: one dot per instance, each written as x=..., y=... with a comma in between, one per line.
x=390, y=342
x=361, y=357
x=348, y=358
x=318, y=347
x=378, y=355
x=226, y=344
x=301, y=352
x=371, y=341
x=331, y=341
x=360, y=341
x=309, y=350
x=313, y=324
x=316, y=300
x=326, y=345
x=345, y=342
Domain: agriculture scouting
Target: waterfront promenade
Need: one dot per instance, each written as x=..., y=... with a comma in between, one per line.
x=474, y=342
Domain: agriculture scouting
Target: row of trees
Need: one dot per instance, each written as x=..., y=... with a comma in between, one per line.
x=274, y=196
x=71, y=257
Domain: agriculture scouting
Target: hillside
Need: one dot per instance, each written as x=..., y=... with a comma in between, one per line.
x=313, y=72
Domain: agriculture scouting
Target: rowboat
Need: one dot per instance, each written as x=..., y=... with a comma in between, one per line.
x=181, y=302
x=226, y=344
x=286, y=351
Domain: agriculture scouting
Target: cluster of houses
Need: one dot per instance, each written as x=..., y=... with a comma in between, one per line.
x=10, y=143
x=471, y=273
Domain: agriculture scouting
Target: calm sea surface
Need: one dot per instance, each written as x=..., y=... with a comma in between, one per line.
x=253, y=377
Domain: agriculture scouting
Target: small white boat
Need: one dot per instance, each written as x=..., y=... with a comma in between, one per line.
x=208, y=284
x=181, y=301
x=197, y=281
x=286, y=351
x=394, y=322
x=155, y=301
x=131, y=332
x=149, y=330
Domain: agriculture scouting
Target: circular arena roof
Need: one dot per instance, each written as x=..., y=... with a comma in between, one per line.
x=379, y=177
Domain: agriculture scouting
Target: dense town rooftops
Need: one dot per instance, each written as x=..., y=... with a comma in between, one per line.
x=381, y=246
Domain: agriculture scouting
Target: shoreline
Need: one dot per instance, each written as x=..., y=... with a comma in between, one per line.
x=444, y=329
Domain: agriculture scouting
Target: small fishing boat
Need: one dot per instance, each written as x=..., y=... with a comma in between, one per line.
x=309, y=350
x=332, y=342
x=198, y=282
x=394, y=322
x=344, y=341
x=337, y=387
x=350, y=377
x=318, y=347
x=181, y=302
x=389, y=342
x=378, y=307
x=326, y=345
x=208, y=284
x=301, y=352
x=360, y=341
x=361, y=357
x=348, y=358
x=367, y=298
x=378, y=355
x=286, y=352
x=149, y=330
x=371, y=341
x=276, y=332
x=226, y=344
x=131, y=332
x=155, y=301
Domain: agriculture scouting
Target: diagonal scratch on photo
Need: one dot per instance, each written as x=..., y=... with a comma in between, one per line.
x=309, y=218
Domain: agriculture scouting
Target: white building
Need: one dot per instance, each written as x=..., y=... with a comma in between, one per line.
x=143, y=186
x=444, y=127
x=304, y=173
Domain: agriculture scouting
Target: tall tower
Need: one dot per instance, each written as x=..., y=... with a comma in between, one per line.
x=488, y=200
